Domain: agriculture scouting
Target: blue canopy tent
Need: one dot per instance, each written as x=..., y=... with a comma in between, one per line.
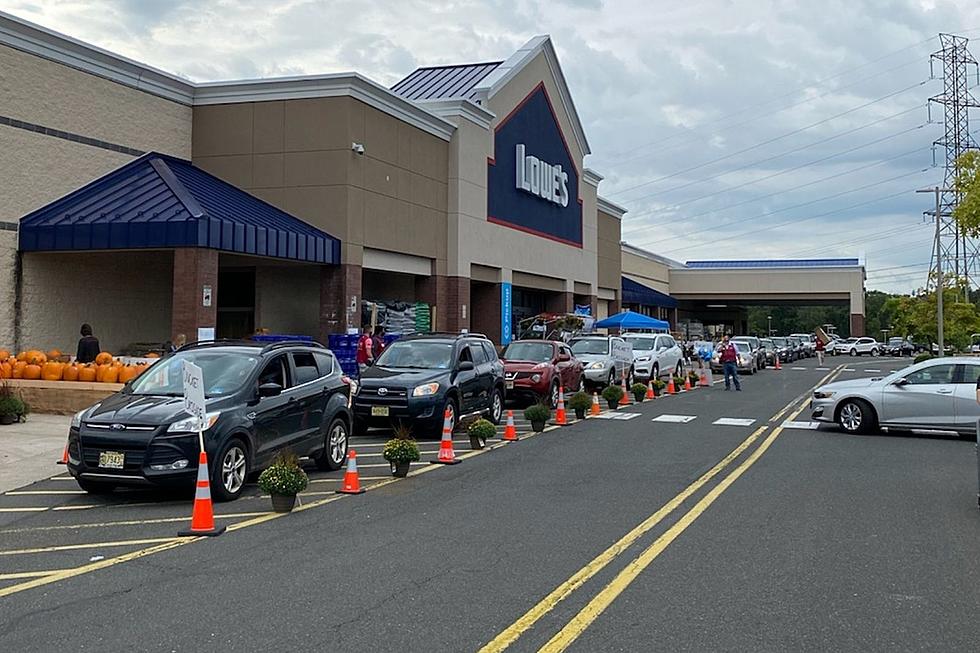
x=631, y=320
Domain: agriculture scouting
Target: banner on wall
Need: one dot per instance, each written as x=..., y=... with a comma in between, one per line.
x=506, y=306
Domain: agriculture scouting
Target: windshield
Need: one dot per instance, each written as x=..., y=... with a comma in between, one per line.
x=779, y=342
x=894, y=341
x=641, y=344
x=793, y=341
x=539, y=352
x=595, y=346
x=768, y=344
x=420, y=354
x=741, y=346
x=224, y=372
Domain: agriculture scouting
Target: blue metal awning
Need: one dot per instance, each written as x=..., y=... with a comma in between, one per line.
x=637, y=293
x=157, y=201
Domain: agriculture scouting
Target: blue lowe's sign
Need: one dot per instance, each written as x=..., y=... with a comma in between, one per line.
x=506, y=308
x=532, y=183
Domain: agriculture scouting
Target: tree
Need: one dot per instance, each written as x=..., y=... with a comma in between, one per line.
x=967, y=185
x=915, y=317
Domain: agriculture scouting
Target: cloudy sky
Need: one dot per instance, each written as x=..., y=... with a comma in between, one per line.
x=728, y=128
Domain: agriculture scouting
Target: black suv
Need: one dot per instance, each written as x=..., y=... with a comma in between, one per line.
x=261, y=399
x=416, y=379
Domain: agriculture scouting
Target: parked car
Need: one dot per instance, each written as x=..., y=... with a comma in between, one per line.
x=799, y=349
x=770, y=349
x=607, y=359
x=939, y=393
x=655, y=355
x=844, y=346
x=535, y=369
x=809, y=342
x=261, y=399
x=746, y=359
x=756, y=348
x=865, y=346
x=785, y=349
x=898, y=347
x=417, y=379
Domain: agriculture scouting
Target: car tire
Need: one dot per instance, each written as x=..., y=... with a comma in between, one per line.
x=679, y=370
x=95, y=487
x=454, y=417
x=336, y=442
x=581, y=382
x=875, y=353
x=854, y=352
x=856, y=417
x=655, y=373
x=231, y=469
x=496, y=410
x=630, y=379
x=553, y=395
x=612, y=377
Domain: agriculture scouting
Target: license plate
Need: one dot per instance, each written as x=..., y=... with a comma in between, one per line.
x=379, y=411
x=509, y=385
x=112, y=459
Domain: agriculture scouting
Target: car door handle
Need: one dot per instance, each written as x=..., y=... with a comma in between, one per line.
x=944, y=391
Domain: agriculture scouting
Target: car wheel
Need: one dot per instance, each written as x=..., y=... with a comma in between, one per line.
x=581, y=383
x=94, y=487
x=679, y=370
x=655, y=374
x=854, y=352
x=335, y=446
x=874, y=353
x=630, y=378
x=230, y=471
x=553, y=394
x=856, y=416
x=612, y=378
x=496, y=406
x=450, y=406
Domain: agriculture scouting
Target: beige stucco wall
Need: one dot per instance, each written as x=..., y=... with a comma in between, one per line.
x=287, y=299
x=479, y=241
x=8, y=286
x=296, y=154
x=652, y=274
x=125, y=296
x=610, y=229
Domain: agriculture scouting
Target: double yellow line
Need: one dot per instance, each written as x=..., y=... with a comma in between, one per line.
x=581, y=621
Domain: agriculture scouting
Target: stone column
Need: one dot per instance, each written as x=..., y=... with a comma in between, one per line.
x=340, y=298
x=857, y=325
x=195, y=292
x=560, y=302
x=455, y=314
x=485, y=300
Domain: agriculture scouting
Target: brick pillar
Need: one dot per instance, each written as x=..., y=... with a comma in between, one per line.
x=454, y=314
x=560, y=302
x=485, y=300
x=857, y=325
x=432, y=291
x=340, y=298
x=195, y=272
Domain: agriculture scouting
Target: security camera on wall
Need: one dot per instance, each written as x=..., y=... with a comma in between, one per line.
x=357, y=148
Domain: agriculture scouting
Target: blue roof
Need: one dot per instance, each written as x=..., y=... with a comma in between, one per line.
x=157, y=201
x=637, y=293
x=444, y=82
x=631, y=320
x=778, y=263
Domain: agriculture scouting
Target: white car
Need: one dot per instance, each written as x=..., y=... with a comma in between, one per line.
x=655, y=355
x=843, y=346
x=809, y=342
x=864, y=346
x=607, y=359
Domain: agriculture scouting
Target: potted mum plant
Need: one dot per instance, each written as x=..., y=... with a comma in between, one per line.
x=658, y=387
x=580, y=402
x=401, y=451
x=537, y=414
x=480, y=431
x=12, y=407
x=283, y=480
x=612, y=394
x=695, y=379
x=639, y=391
x=678, y=383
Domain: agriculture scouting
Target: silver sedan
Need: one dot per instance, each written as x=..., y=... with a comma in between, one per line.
x=936, y=394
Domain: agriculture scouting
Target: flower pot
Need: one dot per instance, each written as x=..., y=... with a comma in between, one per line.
x=283, y=502
x=638, y=396
x=538, y=426
x=400, y=469
x=612, y=403
x=579, y=413
x=477, y=442
x=8, y=419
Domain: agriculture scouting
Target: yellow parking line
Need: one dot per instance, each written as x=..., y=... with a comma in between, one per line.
x=39, y=509
x=28, y=574
x=24, y=493
x=92, y=545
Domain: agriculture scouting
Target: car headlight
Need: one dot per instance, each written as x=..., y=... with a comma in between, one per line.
x=189, y=424
x=541, y=366
x=535, y=378
x=823, y=394
x=643, y=359
x=426, y=390
x=598, y=365
x=76, y=419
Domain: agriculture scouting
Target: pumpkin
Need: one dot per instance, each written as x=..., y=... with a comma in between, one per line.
x=32, y=371
x=110, y=374
x=36, y=357
x=70, y=373
x=22, y=356
x=86, y=373
x=4, y=354
x=52, y=371
x=104, y=358
x=18, y=370
x=153, y=355
x=127, y=373
x=53, y=355
x=6, y=370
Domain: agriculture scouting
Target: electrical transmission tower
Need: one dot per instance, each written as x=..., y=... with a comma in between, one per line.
x=957, y=254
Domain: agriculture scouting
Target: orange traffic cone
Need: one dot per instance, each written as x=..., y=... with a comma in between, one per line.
x=687, y=383
x=671, y=390
x=650, y=393
x=625, y=399
x=352, y=482
x=202, y=519
x=560, y=417
x=596, y=409
x=510, y=432
x=64, y=456
x=703, y=382
x=778, y=366
x=446, y=454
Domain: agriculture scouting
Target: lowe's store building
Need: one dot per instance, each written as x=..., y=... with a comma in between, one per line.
x=151, y=206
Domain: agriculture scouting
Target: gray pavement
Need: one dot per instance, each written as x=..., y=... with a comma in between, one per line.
x=826, y=542
x=29, y=450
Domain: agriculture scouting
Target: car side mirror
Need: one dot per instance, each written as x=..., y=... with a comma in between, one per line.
x=900, y=382
x=270, y=390
x=465, y=366
x=564, y=358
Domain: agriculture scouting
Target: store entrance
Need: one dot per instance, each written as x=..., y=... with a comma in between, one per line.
x=236, y=302
x=527, y=303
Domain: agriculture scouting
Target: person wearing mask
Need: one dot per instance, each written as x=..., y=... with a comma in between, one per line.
x=728, y=357
x=365, y=351
x=88, y=345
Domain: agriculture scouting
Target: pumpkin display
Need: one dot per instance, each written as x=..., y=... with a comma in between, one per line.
x=4, y=354
x=128, y=373
x=22, y=356
x=70, y=372
x=152, y=354
x=36, y=357
x=18, y=370
x=32, y=371
x=6, y=370
x=110, y=374
x=54, y=354
x=104, y=358
x=87, y=373
x=52, y=370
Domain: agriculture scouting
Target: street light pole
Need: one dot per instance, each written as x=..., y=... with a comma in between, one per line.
x=939, y=271
x=770, y=325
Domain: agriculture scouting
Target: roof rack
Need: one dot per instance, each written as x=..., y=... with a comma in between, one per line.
x=454, y=334
x=292, y=343
x=238, y=342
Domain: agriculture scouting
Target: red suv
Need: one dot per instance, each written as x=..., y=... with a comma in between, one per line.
x=536, y=368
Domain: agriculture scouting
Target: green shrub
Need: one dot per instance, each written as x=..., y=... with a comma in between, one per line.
x=12, y=405
x=401, y=450
x=638, y=387
x=580, y=401
x=537, y=413
x=924, y=356
x=659, y=384
x=482, y=428
x=612, y=393
x=678, y=382
x=284, y=476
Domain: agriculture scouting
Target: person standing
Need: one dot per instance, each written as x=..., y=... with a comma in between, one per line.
x=728, y=357
x=820, y=349
x=377, y=342
x=88, y=345
x=365, y=351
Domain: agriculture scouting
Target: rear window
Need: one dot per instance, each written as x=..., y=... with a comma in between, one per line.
x=306, y=369
x=324, y=361
x=596, y=346
x=417, y=354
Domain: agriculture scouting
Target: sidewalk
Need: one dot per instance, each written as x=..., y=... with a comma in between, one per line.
x=29, y=451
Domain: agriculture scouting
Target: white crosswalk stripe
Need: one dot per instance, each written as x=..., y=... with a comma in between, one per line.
x=734, y=421
x=810, y=426
x=675, y=419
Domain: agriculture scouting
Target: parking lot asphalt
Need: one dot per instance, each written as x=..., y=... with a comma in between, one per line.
x=510, y=547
